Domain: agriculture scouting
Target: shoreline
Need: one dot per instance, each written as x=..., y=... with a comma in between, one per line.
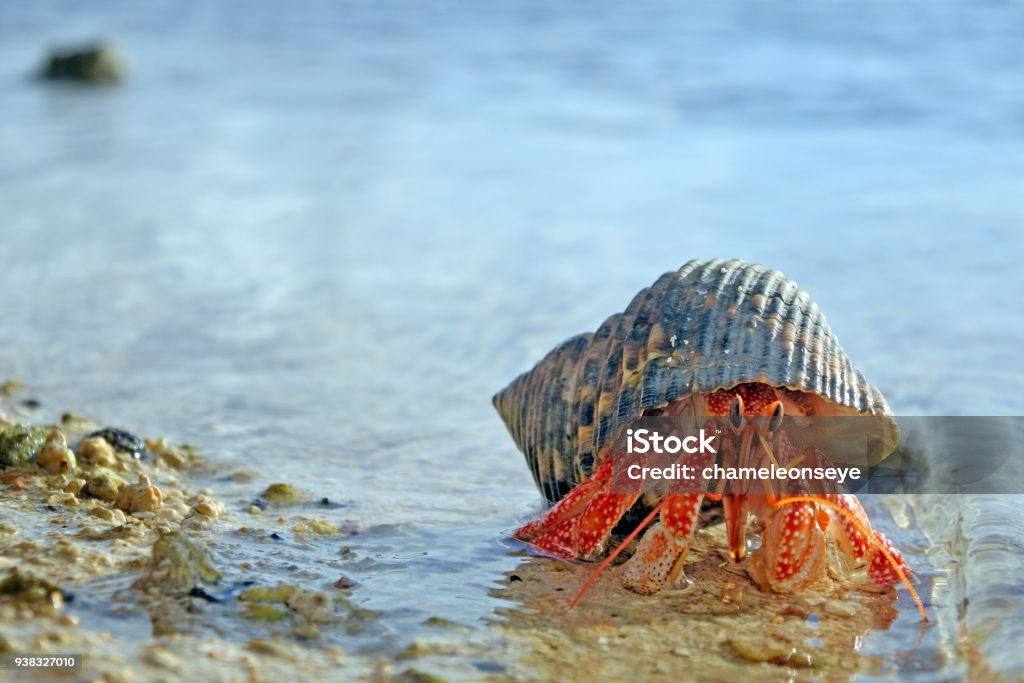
x=95, y=577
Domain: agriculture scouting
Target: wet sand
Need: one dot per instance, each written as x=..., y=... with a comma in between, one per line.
x=721, y=627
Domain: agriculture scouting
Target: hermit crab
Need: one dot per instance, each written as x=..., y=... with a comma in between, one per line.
x=715, y=338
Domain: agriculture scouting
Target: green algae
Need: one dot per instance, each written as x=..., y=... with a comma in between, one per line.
x=19, y=444
x=178, y=564
x=23, y=587
x=282, y=494
x=104, y=484
x=256, y=611
x=279, y=593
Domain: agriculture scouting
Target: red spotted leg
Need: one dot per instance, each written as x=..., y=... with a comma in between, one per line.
x=580, y=524
x=661, y=553
x=850, y=528
x=886, y=565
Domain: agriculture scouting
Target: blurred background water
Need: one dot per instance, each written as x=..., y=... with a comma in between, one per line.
x=315, y=239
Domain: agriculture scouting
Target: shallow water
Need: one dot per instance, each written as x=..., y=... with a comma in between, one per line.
x=315, y=243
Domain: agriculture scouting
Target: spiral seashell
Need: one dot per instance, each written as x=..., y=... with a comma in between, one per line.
x=710, y=325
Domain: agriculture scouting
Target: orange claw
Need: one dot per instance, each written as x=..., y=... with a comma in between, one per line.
x=877, y=570
x=865, y=547
x=792, y=553
x=580, y=523
x=659, y=557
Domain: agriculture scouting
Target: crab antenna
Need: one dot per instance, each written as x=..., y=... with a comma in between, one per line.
x=867, y=534
x=622, y=546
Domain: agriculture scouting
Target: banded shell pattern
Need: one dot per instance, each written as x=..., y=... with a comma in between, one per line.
x=710, y=325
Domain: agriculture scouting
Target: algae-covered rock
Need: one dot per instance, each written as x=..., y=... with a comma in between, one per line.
x=312, y=605
x=178, y=564
x=282, y=494
x=279, y=593
x=306, y=605
x=318, y=527
x=260, y=602
x=257, y=611
x=103, y=484
x=20, y=443
x=96, y=63
x=26, y=588
x=356, y=617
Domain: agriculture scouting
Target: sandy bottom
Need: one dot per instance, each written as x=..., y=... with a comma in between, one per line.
x=720, y=627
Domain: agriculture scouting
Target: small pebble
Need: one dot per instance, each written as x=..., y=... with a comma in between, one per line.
x=344, y=583
x=55, y=456
x=114, y=516
x=272, y=648
x=842, y=609
x=170, y=514
x=103, y=485
x=206, y=506
x=140, y=497
x=96, y=451
x=319, y=527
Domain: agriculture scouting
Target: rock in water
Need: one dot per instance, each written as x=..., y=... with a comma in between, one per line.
x=96, y=63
